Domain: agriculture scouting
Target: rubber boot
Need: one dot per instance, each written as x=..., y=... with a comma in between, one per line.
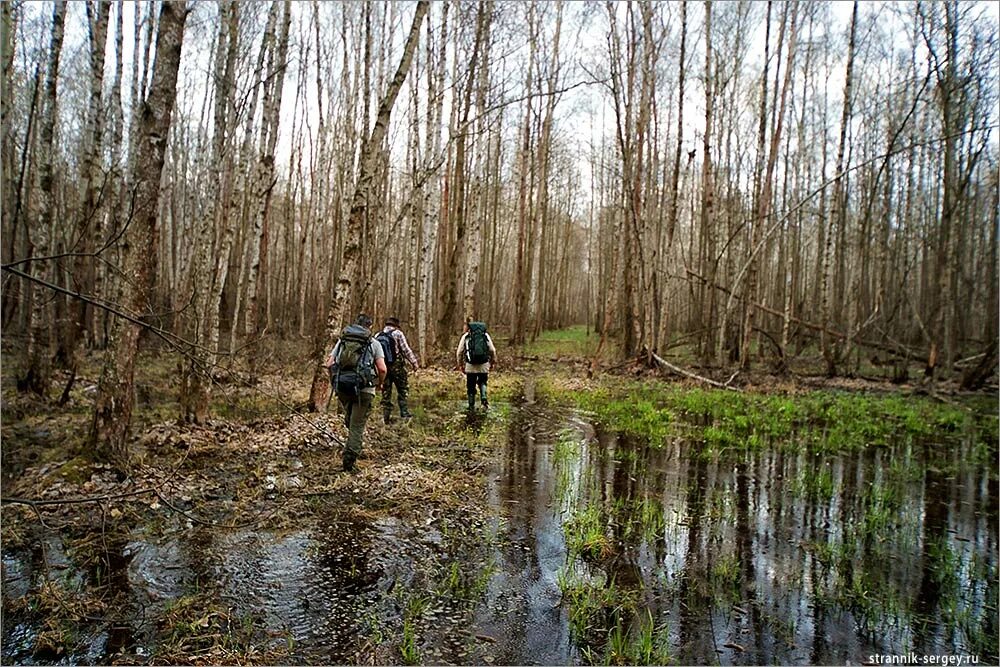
x=387, y=416
x=404, y=410
x=482, y=397
x=349, y=460
x=472, y=401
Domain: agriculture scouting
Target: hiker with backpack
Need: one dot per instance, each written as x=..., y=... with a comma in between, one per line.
x=357, y=370
x=397, y=352
x=476, y=351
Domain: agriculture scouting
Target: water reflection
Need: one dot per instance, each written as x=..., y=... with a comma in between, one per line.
x=758, y=557
x=522, y=611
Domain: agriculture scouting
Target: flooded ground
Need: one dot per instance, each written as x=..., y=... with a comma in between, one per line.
x=759, y=559
x=592, y=547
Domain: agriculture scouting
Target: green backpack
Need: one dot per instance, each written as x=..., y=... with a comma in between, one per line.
x=354, y=367
x=477, y=346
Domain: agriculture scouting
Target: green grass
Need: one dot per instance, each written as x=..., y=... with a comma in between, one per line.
x=598, y=619
x=575, y=341
x=813, y=484
x=408, y=649
x=586, y=533
x=725, y=579
x=644, y=644
x=567, y=448
x=821, y=422
x=643, y=517
x=881, y=504
x=591, y=602
x=634, y=416
x=459, y=583
x=873, y=603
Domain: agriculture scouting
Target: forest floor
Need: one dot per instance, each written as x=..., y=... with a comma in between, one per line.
x=75, y=534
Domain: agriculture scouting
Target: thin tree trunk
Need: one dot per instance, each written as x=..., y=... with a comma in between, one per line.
x=9, y=164
x=37, y=373
x=115, y=394
x=837, y=216
x=521, y=288
x=88, y=224
x=708, y=198
x=765, y=195
x=448, y=320
x=264, y=178
x=474, y=255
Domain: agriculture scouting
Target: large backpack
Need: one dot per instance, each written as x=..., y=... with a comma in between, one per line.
x=477, y=346
x=389, y=347
x=354, y=367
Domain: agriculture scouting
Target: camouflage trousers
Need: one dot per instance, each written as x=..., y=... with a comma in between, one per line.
x=399, y=378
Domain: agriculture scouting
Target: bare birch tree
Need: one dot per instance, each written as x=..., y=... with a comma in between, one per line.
x=352, y=246
x=115, y=394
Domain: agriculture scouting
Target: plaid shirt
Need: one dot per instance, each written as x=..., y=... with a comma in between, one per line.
x=401, y=343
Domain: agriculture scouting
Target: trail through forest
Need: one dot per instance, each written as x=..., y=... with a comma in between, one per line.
x=578, y=521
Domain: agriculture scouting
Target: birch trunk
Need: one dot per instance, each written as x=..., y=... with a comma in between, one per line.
x=115, y=394
x=474, y=255
x=264, y=172
x=766, y=190
x=36, y=375
x=432, y=195
x=88, y=224
x=831, y=353
x=343, y=294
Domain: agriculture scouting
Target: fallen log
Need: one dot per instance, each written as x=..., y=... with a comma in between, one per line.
x=694, y=376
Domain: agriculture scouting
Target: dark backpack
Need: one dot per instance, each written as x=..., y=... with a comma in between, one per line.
x=477, y=346
x=389, y=347
x=354, y=367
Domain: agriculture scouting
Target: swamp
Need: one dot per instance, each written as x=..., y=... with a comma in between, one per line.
x=620, y=520
x=685, y=314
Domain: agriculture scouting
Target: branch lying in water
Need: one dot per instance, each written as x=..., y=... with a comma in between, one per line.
x=680, y=371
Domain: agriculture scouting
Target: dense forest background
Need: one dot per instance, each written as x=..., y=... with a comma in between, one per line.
x=753, y=180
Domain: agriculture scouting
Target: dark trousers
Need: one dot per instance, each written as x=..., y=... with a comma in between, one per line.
x=398, y=377
x=473, y=380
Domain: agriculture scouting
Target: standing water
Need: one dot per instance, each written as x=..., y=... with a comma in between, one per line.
x=599, y=547
x=622, y=550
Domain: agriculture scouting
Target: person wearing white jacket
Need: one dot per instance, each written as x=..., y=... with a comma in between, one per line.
x=475, y=356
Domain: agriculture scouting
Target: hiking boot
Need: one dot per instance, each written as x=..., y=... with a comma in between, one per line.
x=486, y=404
x=349, y=460
x=387, y=417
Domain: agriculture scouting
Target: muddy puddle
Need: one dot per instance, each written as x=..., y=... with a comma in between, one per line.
x=595, y=547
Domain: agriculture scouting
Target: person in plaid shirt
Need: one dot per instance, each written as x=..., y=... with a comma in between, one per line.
x=400, y=352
